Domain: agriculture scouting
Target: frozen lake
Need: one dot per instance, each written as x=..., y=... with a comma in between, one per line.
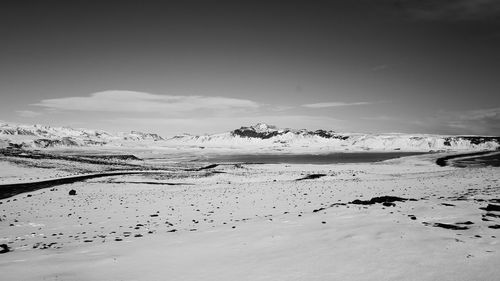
x=330, y=158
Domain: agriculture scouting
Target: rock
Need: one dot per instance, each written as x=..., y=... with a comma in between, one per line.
x=450, y=226
x=211, y=166
x=387, y=201
x=311, y=177
x=72, y=192
x=4, y=248
x=491, y=207
x=448, y=204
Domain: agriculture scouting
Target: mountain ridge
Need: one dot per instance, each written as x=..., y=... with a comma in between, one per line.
x=261, y=135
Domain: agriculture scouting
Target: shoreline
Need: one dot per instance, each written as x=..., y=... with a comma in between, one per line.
x=13, y=189
x=444, y=161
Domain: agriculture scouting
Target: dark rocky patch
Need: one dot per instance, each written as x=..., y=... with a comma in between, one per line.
x=211, y=166
x=496, y=226
x=4, y=248
x=249, y=132
x=311, y=177
x=385, y=200
x=450, y=226
x=491, y=215
x=318, y=210
x=338, y=204
x=272, y=131
x=491, y=207
x=465, y=223
x=448, y=204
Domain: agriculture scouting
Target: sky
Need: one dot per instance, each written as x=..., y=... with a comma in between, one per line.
x=171, y=67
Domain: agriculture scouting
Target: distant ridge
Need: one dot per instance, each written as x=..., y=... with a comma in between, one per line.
x=258, y=138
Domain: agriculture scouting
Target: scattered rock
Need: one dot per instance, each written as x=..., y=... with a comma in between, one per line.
x=4, y=248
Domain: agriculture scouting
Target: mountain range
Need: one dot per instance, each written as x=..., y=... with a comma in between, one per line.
x=260, y=137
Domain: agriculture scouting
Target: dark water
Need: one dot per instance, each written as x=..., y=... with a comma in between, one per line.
x=331, y=158
x=479, y=161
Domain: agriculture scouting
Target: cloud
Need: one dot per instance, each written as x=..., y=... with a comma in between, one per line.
x=140, y=102
x=380, y=67
x=334, y=104
x=28, y=113
x=478, y=121
x=453, y=10
x=481, y=114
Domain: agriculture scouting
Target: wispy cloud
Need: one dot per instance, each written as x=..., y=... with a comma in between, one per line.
x=28, y=113
x=481, y=114
x=140, y=102
x=334, y=104
x=478, y=121
x=380, y=67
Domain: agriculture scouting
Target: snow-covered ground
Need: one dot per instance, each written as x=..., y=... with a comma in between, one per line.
x=257, y=222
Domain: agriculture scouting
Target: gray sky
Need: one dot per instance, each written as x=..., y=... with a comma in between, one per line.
x=212, y=66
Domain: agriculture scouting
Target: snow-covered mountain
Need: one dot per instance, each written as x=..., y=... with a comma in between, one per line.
x=265, y=137
x=39, y=136
x=258, y=138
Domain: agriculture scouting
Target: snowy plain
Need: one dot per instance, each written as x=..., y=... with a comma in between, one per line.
x=259, y=222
